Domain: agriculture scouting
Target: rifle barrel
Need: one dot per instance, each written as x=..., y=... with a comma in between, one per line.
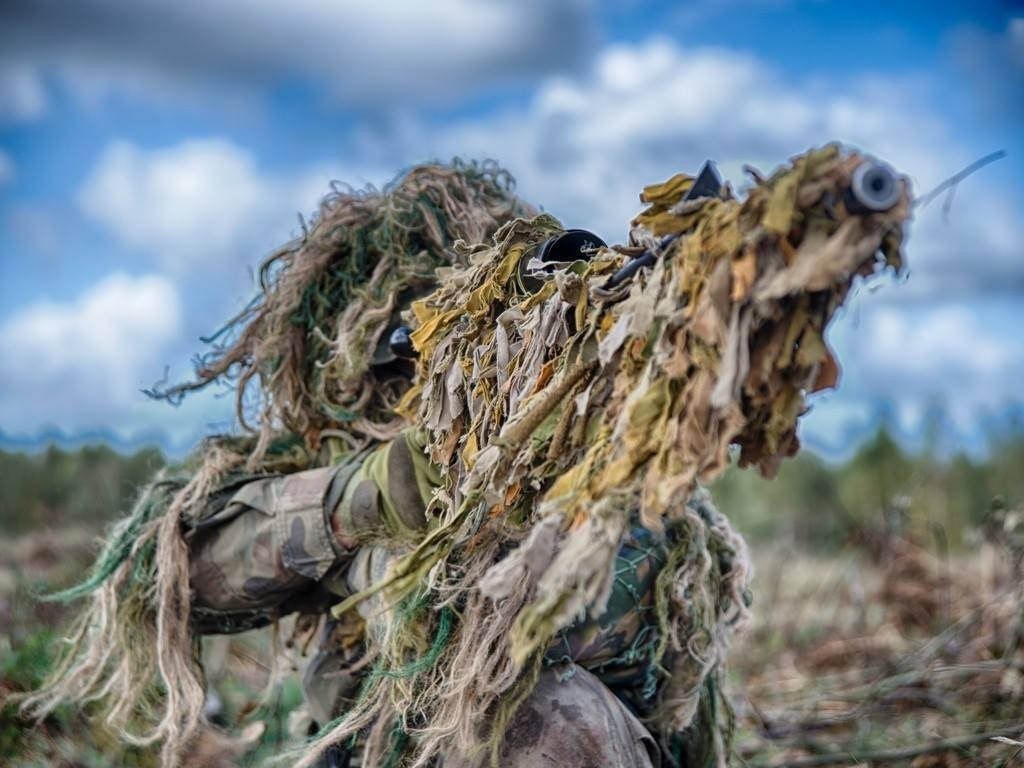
x=874, y=187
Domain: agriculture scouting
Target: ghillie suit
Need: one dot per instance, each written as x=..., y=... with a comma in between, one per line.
x=309, y=337
x=307, y=341
x=564, y=410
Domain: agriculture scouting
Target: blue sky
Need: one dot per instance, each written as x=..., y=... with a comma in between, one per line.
x=152, y=153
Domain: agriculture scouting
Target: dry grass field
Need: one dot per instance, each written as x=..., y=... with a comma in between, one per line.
x=884, y=646
x=906, y=659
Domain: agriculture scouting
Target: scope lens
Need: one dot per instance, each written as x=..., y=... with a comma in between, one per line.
x=874, y=186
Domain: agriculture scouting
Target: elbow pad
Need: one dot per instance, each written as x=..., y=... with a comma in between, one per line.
x=385, y=500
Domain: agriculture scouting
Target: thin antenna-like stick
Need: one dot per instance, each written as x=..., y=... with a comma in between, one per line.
x=956, y=178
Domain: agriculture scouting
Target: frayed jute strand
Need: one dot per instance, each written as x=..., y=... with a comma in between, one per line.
x=644, y=387
x=132, y=652
x=558, y=410
x=305, y=344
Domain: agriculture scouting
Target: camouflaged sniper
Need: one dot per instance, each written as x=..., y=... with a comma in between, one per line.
x=517, y=522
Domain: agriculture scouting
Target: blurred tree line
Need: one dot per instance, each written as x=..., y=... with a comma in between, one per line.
x=820, y=505
x=88, y=486
x=812, y=503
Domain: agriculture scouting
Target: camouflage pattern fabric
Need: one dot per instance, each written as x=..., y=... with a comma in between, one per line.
x=279, y=544
x=330, y=680
x=618, y=645
x=263, y=552
x=571, y=719
x=298, y=542
x=385, y=500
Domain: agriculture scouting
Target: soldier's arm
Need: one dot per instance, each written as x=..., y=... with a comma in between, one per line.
x=281, y=544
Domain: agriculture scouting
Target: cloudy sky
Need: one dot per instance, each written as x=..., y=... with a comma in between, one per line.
x=151, y=153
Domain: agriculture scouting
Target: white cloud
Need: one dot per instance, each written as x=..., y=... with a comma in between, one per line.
x=81, y=364
x=927, y=345
x=965, y=355
x=188, y=203
x=8, y=172
x=956, y=366
x=978, y=249
x=370, y=53
x=200, y=207
x=111, y=326
x=22, y=94
x=1015, y=33
x=584, y=147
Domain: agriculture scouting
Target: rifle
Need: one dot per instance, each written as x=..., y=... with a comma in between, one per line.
x=874, y=187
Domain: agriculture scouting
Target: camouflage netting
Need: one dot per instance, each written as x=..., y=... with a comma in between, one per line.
x=558, y=410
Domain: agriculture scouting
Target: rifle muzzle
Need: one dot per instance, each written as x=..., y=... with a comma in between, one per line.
x=874, y=187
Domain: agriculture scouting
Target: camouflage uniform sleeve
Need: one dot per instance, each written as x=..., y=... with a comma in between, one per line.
x=386, y=499
x=281, y=544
